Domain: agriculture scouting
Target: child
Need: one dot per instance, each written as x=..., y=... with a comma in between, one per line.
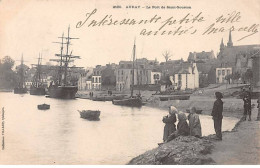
x=169, y=121
x=194, y=123
x=182, y=128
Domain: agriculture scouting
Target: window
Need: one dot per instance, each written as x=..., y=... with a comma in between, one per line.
x=219, y=72
x=179, y=76
x=223, y=72
x=122, y=72
x=228, y=72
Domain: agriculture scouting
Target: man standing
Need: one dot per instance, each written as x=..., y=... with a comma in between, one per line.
x=247, y=106
x=217, y=114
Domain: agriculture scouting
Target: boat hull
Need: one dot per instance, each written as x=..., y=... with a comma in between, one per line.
x=37, y=91
x=20, y=90
x=175, y=97
x=43, y=106
x=108, y=98
x=132, y=102
x=63, y=92
x=89, y=114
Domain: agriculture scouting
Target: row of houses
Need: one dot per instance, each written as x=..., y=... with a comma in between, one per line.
x=200, y=69
x=146, y=72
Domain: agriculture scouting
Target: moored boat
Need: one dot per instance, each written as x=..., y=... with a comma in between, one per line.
x=108, y=98
x=175, y=97
x=133, y=101
x=37, y=87
x=90, y=114
x=43, y=106
x=62, y=88
x=21, y=89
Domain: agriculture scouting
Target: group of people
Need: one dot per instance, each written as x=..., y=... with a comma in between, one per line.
x=183, y=128
x=194, y=126
x=91, y=94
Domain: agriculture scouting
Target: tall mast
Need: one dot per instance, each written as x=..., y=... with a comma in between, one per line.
x=38, y=71
x=133, y=78
x=66, y=57
x=61, y=52
x=22, y=73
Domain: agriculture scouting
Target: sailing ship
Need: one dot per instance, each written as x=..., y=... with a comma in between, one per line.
x=133, y=101
x=20, y=89
x=62, y=88
x=37, y=87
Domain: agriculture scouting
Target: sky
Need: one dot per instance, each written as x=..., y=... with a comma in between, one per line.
x=30, y=27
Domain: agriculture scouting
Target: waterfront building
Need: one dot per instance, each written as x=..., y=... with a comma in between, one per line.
x=96, y=77
x=184, y=76
x=89, y=83
x=201, y=56
x=222, y=73
x=145, y=73
x=237, y=57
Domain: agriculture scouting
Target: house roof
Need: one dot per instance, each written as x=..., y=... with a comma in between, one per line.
x=201, y=55
x=204, y=68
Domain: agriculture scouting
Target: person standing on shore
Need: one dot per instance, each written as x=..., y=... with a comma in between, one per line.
x=169, y=121
x=217, y=114
x=194, y=123
x=182, y=128
x=247, y=106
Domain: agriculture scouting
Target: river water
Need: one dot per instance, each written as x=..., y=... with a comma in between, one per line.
x=60, y=136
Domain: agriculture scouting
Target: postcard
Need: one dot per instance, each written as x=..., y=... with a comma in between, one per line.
x=129, y=82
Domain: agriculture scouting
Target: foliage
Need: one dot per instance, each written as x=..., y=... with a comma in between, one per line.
x=248, y=75
x=7, y=75
x=228, y=77
x=203, y=81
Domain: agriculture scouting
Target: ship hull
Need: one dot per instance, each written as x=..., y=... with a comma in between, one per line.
x=132, y=102
x=20, y=90
x=63, y=92
x=37, y=91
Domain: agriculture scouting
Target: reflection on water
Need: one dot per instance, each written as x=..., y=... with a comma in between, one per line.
x=60, y=136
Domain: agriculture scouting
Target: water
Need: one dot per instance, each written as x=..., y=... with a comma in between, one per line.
x=60, y=136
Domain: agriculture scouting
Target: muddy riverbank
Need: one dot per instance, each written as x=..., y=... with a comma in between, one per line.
x=239, y=146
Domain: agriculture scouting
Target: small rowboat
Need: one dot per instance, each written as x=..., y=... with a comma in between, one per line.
x=43, y=106
x=197, y=111
x=90, y=114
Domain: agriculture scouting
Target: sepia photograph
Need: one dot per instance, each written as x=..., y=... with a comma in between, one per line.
x=130, y=82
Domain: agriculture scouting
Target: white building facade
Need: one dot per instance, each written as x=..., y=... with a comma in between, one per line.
x=222, y=73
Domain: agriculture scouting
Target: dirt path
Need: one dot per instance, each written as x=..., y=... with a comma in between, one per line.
x=241, y=146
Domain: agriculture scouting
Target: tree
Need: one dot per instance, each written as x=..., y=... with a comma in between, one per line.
x=248, y=75
x=8, y=63
x=166, y=55
x=235, y=76
x=7, y=75
x=228, y=77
